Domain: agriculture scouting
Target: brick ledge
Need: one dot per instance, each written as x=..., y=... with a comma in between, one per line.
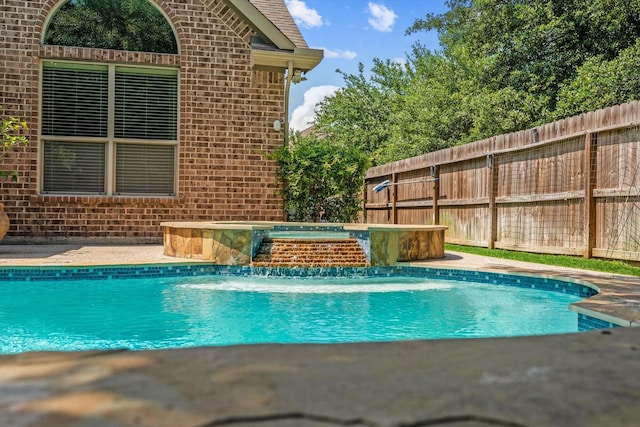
x=112, y=200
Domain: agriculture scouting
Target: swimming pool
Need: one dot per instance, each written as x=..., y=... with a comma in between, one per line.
x=194, y=305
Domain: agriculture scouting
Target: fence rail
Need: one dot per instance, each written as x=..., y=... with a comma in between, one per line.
x=567, y=187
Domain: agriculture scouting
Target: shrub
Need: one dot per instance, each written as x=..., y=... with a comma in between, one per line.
x=10, y=137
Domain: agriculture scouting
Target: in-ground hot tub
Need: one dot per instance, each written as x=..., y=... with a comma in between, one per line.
x=237, y=243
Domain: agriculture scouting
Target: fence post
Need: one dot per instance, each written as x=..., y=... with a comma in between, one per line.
x=492, y=182
x=365, y=194
x=590, y=166
x=436, y=194
x=394, y=198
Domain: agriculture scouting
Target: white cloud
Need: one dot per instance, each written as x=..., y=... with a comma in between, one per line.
x=400, y=61
x=338, y=53
x=304, y=16
x=381, y=18
x=304, y=115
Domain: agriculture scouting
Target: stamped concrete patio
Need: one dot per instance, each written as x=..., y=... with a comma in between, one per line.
x=585, y=379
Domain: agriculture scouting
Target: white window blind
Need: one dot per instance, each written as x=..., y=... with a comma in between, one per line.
x=74, y=167
x=146, y=104
x=75, y=101
x=146, y=169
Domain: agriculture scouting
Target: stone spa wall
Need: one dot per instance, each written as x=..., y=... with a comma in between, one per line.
x=237, y=243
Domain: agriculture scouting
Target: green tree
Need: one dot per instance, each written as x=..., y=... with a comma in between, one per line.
x=430, y=117
x=357, y=115
x=10, y=138
x=321, y=177
x=530, y=49
x=503, y=66
x=133, y=25
x=602, y=83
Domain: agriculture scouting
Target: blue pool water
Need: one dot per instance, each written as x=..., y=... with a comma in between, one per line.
x=224, y=310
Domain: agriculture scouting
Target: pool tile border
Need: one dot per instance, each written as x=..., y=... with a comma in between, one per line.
x=29, y=273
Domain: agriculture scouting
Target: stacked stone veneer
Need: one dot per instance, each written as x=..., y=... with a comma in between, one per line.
x=225, y=126
x=220, y=244
x=389, y=246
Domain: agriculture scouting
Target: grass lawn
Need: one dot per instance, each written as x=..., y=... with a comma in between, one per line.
x=615, y=267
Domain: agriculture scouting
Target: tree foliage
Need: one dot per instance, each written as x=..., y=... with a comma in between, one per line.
x=357, y=115
x=321, y=178
x=133, y=25
x=600, y=83
x=503, y=66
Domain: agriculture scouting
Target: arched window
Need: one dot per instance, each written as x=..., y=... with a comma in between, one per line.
x=134, y=25
x=109, y=129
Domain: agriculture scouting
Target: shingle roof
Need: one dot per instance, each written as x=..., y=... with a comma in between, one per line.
x=276, y=12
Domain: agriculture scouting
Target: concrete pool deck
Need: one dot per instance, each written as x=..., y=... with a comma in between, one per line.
x=584, y=379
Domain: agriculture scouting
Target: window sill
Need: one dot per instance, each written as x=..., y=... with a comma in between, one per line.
x=108, y=200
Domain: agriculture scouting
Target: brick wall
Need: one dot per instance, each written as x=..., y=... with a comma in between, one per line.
x=226, y=116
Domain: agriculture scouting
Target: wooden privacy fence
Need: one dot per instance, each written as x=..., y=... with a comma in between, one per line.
x=568, y=187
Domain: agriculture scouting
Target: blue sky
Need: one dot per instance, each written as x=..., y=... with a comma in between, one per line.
x=350, y=32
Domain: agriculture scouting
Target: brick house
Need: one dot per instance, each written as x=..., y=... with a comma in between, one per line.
x=122, y=139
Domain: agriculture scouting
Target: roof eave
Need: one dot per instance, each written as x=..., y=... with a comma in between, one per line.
x=262, y=24
x=303, y=59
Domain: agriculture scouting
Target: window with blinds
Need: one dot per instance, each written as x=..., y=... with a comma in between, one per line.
x=146, y=105
x=73, y=167
x=75, y=102
x=109, y=129
x=144, y=169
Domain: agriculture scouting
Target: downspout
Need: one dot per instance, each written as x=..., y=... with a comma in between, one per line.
x=287, y=88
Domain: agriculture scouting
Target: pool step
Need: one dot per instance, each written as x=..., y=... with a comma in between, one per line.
x=310, y=253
